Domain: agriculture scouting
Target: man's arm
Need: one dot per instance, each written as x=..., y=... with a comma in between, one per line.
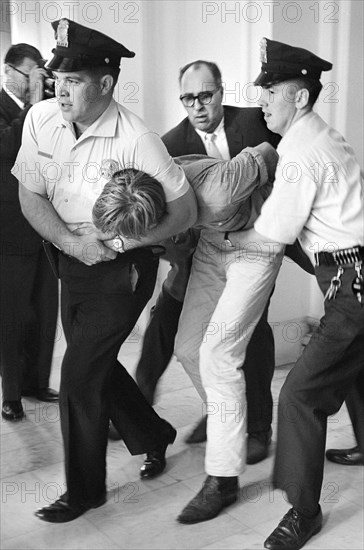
x=251, y=240
x=253, y=168
x=236, y=179
x=270, y=157
x=41, y=215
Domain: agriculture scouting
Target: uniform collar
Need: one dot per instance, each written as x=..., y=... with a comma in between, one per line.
x=297, y=130
x=104, y=126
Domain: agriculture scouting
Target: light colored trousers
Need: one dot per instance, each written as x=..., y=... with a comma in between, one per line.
x=227, y=292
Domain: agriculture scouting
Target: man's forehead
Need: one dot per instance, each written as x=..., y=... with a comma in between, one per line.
x=200, y=76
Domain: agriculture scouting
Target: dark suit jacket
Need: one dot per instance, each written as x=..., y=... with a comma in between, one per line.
x=16, y=235
x=244, y=127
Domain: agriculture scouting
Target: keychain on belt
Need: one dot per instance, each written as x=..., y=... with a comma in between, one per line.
x=357, y=284
x=335, y=284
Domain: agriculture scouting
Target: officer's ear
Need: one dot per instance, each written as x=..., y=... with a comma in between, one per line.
x=302, y=98
x=106, y=84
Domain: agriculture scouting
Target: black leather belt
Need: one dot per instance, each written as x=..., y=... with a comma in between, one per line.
x=345, y=256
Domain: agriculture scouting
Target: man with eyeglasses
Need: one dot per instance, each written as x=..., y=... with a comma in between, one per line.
x=221, y=132
x=29, y=290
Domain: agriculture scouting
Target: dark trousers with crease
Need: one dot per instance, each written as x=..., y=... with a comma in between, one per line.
x=330, y=369
x=100, y=307
x=28, y=310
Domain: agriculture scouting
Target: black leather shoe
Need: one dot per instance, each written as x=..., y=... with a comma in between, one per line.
x=12, y=410
x=198, y=435
x=347, y=457
x=215, y=495
x=42, y=394
x=155, y=461
x=258, y=446
x=294, y=531
x=61, y=512
x=113, y=433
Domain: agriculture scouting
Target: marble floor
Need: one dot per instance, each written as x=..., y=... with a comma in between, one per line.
x=142, y=515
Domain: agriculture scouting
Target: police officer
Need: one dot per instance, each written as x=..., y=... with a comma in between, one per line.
x=317, y=195
x=70, y=148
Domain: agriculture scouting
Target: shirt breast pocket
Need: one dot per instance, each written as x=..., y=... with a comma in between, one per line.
x=49, y=170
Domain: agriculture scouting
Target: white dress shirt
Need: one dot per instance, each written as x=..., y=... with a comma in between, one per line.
x=220, y=141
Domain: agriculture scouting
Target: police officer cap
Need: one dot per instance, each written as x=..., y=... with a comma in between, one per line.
x=79, y=48
x=282, y=62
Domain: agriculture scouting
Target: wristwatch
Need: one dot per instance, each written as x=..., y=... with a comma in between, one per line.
x=118, y=243
x=227, y=241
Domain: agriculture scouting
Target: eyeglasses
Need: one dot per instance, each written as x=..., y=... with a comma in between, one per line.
x=204, y=98
x=18, y=71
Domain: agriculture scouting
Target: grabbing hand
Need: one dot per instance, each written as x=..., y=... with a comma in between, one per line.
x=36, y=85
x=88, y=249
x=270, y=157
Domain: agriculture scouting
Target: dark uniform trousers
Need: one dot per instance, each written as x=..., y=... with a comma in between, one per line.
x=330, y=369
x=29, y=308
x=100, y=307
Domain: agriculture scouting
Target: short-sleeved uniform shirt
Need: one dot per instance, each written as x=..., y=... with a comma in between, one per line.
x=317, y=194
x=72, y=172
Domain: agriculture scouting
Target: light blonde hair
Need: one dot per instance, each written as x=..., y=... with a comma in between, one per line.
x=131, y=203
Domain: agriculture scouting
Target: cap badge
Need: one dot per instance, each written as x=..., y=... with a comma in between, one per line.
x=304, y=71
x=62, y=33
x=107, y=60
x=263, y=50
